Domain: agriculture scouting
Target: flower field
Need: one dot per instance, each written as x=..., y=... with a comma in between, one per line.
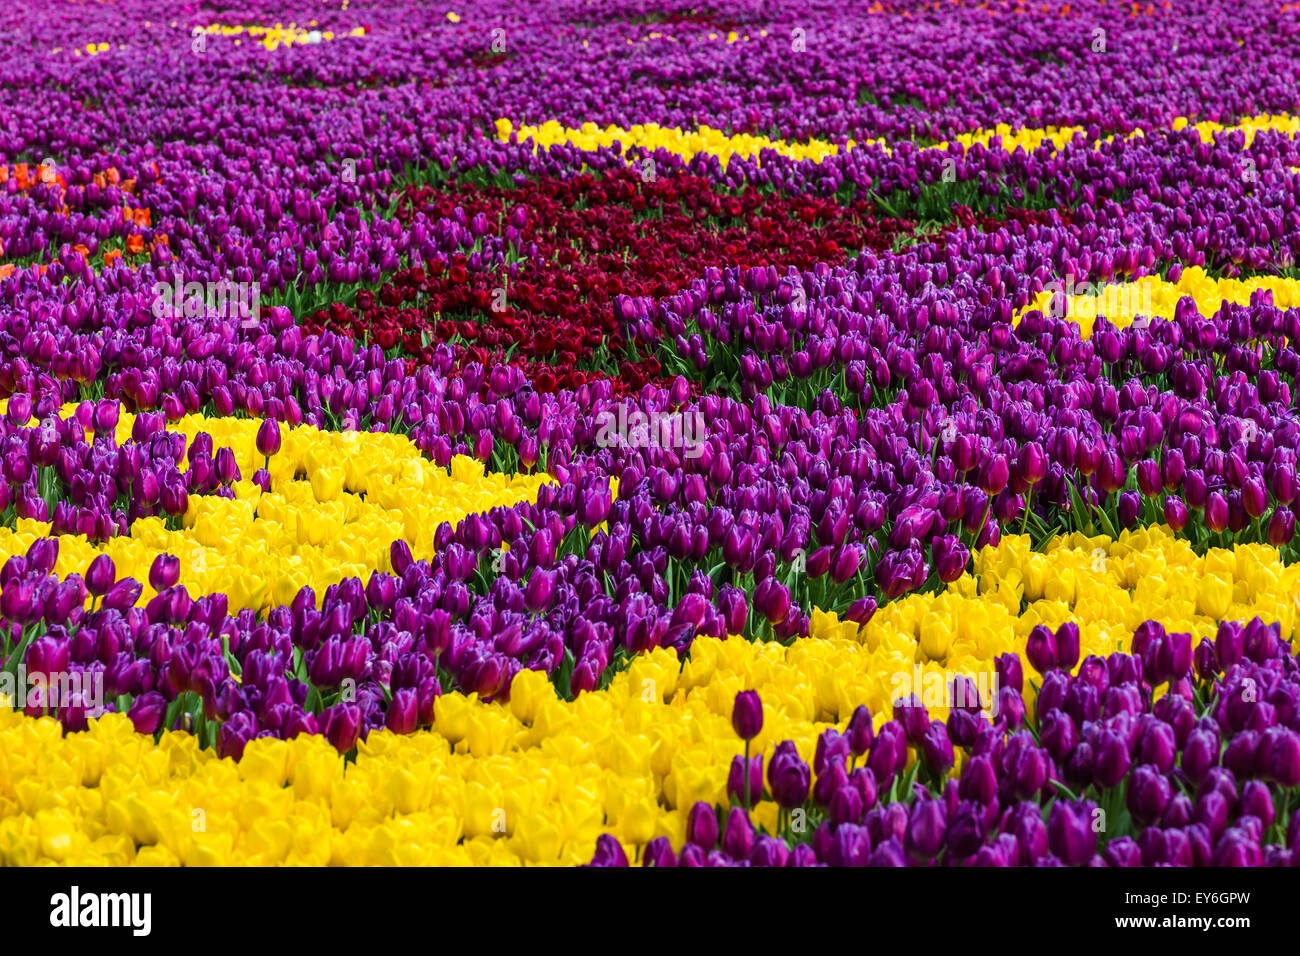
x=638, y=433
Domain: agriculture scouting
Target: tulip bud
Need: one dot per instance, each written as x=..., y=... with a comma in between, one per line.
x=100, y=575
x=747, y=715
x=164, y=572
x=609, y=852
x=1041, y=649
x=789, y=777
x=268, y=437
x=860, y=731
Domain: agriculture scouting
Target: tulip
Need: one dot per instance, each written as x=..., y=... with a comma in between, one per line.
x=1148, y=794
x=702, y=826
x=789, y=777
x=342, y=726
x=1041, y=649
x=1112, y=760
x=100, y=576
x=926, y=828
x=146, y=712
x=164, y=572
x=1067, y=645
x=936, y=749
x=609, y=852
x=861, y=731
x=403, y=715
x=738, y=834
x=747, y=715
x=1070, y=832
x=268, y=438
x=1282, y=760
x=745, y=788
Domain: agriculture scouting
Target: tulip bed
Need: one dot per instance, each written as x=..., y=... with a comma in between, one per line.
x=664, y=433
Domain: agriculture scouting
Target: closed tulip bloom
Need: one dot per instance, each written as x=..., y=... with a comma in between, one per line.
x=994, y=475
x=403, y=715
x=1149, y=793
x=1175, y=513
x=659, y=853
x=1204, y=661
x=1058, y=734
x=772, y=600
x=1129, y=508
x=769, y=852
x=1112, y=759
x=979, y=780
x=702, y=826
x=593, y=508
x=861, y=731
x=890, y=853
x=1079, y=765
x=738, y=834
x=747, y=715
x=1237, y=848
x=165, y=572
x=845, y=806
x=342, y=725
x=1009, y=672
x=1282, y=760
x=1041, y=649
x=1200, y=753
x=1010, y=708
x=1123, y=851
x=731, y=604
x=146, y=712
x=864, y=781
x=848, y=846
x=926, y=828
x=100, y=575
x=1281, y=527
x=1212, y=810
x=1032, y=464
x=1257, y=801
x=1028, y=772
x=43, y=554
x=789, y=778
x=737, y=782
x=268, y=438
x=1178, y=812
x=1070, y=833
x=609, y=852
x=912, y=716
x=832, y=751
x=1216, y=512
x=225, y=466
x=936, y=749
x=1254, y=497
x=846, y=563
x=950, y=558
x=1067, y=645
x=399, y=556
x=888, y=752
x=539, y=593
x=1159, y=747
x=121, y=596
x=692, y=856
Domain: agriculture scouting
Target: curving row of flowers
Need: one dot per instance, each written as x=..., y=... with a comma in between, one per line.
x=726, y=447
